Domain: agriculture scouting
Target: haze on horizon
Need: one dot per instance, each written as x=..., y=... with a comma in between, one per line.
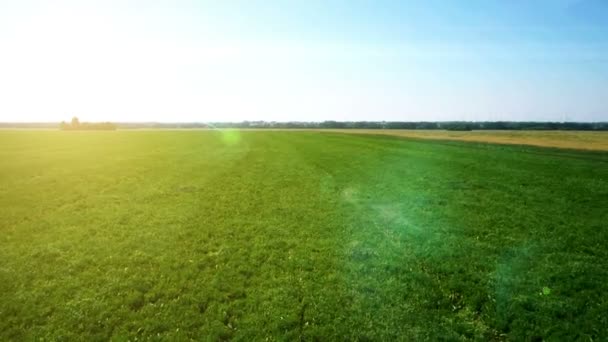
x=197, y=61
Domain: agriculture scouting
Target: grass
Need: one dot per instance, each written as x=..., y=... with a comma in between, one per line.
x=251, y=235
x=580, y=140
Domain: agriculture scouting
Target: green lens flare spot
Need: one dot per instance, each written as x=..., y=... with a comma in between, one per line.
x=231, y=137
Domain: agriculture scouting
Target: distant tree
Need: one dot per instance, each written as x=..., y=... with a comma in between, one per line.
x=86, y=126
x=459, y=126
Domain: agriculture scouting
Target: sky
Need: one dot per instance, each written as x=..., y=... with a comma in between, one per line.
x=304, y=60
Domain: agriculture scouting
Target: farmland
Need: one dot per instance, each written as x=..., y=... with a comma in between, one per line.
x=254, y=235
x=580, y=140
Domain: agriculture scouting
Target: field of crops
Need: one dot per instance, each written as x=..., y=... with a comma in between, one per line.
x=579, y=140
x=270, y=235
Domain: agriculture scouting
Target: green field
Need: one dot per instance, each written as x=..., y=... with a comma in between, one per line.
x=253, y=235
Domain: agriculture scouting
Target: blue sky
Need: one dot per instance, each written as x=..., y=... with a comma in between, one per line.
x=304, y=60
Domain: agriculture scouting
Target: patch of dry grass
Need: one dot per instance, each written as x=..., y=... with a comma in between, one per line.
x=580, y=140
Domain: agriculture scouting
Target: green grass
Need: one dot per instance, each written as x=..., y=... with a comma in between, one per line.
x=209, y=235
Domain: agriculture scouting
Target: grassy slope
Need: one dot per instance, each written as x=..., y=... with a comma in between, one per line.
x=298, y=234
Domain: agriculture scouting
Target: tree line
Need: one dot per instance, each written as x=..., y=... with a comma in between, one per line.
x=441, y=125
x=76, y=125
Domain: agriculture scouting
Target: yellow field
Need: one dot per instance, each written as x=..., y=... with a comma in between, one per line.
x=581, y=140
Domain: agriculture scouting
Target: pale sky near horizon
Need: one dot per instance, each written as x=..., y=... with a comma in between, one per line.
x=314, y=60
